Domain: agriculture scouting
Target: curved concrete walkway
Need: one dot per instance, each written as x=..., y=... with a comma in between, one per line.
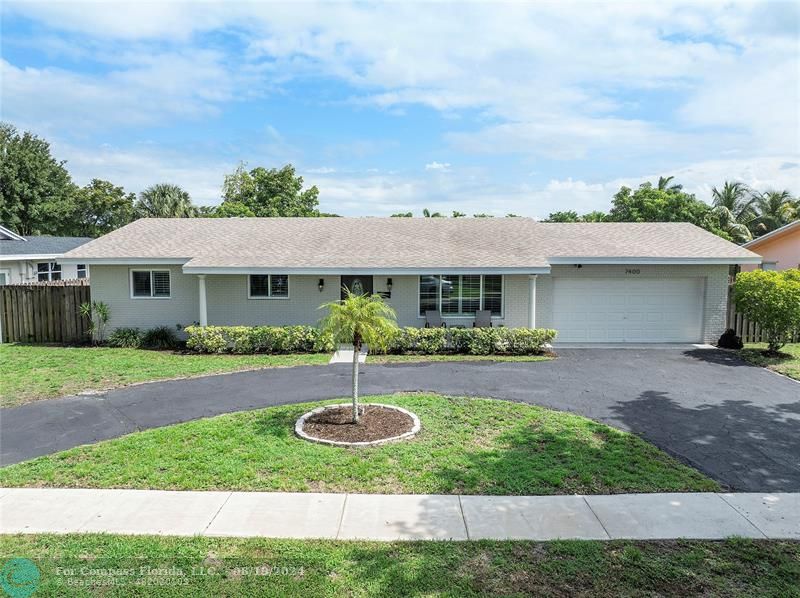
x=400, y=516
x=737, y=423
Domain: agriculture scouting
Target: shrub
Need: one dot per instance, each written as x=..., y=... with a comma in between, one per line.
x=206, y=339
x=126, y=338
x=418, y=340
x=729, y=340
x=425, y=341
x=257, y=339
x=98, y=314
x=771, y=300
x=509, y=341
x=160, y=337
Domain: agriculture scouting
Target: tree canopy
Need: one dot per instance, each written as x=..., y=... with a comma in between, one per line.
x=35, y=188
x=97, y=209
x=267, y=192
x=165, y=200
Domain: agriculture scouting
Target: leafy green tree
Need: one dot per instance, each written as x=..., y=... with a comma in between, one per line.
x=428, y=214
x=649, y=204
x=774, y=209
x=457, y=214
x=403, y=215
x=772, y=300
x=35, y=188
x=97, y=209
x=270, y=192
x=509, y=215
x=482, y=216
x=568, y=216
x=165, y=200
x=359, y=319
x=596, y=216
x=230, y=209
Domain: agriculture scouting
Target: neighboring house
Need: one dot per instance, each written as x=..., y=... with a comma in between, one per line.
x=593, y=282
x=37, y=259
x=780, y=249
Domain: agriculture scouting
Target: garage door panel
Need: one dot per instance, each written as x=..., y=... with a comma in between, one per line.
x=628, y=310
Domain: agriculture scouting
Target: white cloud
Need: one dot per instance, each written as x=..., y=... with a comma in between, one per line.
x=137, y=168
x=440, y=166
x=559, y=66
x=156, y=89
x=646, y=85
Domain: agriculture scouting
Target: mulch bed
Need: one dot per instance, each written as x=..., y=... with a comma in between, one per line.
x=375, y=423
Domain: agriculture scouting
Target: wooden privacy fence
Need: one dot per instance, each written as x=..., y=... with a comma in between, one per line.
x=750, y=331
x=43, y=313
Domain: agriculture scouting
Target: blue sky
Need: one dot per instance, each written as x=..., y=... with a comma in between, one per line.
x=478, y=107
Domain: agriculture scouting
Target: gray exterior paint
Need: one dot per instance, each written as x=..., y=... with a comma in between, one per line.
x=228, y=303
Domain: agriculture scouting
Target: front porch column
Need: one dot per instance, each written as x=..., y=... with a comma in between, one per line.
x=532, y=301
x=201, y=278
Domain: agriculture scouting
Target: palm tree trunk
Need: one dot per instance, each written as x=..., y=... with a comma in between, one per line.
x=356, y=351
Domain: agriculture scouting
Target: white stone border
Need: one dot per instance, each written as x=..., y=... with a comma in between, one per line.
x=298, y=426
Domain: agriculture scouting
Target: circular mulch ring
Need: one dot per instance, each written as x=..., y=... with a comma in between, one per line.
x=377, y=424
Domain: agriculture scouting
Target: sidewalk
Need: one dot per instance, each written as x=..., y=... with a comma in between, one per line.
x=400, y=517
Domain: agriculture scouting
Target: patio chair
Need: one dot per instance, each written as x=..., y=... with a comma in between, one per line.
x=433, y=319
x=483, y=319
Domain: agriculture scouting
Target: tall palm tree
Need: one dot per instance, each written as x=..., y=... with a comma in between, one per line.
x=736, y=198
x=773, y=209
x=724, y=220
x=664, y=184
x=165, y=201
x=359, y=319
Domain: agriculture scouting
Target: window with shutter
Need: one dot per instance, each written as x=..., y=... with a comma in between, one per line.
x=153, y=284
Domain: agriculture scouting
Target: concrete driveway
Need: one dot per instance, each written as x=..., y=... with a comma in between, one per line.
x=735, y=422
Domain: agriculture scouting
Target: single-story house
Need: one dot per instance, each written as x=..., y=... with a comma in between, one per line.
x=780, y=249
x=593, y=282
x=38, y=259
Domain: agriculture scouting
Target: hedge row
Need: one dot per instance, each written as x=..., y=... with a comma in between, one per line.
x=427, y=341
x=257, y=339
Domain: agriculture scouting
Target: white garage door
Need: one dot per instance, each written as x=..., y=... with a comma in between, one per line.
x=624, y=310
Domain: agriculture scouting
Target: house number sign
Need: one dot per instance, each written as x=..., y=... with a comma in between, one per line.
x=632, y=271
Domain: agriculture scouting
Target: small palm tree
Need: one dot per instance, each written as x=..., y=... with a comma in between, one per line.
x=165, y=201
x=359, y=319
x=664, y=184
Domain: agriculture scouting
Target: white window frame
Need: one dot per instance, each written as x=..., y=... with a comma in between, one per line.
x=445, y=316
x=50, y=271
x=269, y=287
x=150, y=271
x=85, y=269
x=7, y=273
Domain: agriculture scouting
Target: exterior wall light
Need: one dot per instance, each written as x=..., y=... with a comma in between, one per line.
x=388, y=284
x=321, y=284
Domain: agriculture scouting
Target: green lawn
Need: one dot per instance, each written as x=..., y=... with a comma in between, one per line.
x=110, y=565
x=466, y=446
x=34, y=372
x=788, y=366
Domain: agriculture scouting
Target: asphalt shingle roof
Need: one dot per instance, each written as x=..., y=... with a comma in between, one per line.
x=41, y=245
x=399, y=242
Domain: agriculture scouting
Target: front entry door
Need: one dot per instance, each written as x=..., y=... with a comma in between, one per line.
x=358, y=285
